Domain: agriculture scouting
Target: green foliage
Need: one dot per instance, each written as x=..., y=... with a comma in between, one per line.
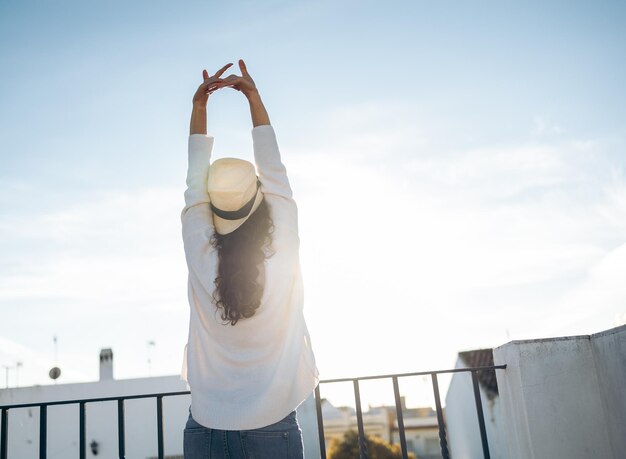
x=348, y=448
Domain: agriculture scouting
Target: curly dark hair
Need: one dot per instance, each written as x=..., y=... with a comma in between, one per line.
x=241, y=262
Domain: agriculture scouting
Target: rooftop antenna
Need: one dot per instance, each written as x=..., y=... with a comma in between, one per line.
x=7, y=368
x=55, y=371
x=18, y=365
x=151, y=344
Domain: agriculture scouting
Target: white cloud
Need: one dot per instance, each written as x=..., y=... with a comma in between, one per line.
x=106, y=271
x=466, y=243
x=599, y=301
x=115, y=247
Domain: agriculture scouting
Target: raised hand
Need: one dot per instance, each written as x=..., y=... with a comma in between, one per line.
x=208, y=86
x=243, y=83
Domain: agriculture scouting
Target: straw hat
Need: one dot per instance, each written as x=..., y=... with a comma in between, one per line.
x=234, y=190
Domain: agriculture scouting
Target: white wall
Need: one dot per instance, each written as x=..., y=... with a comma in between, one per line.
x=101, y=418
x=564, y=397
x=101, y=424
x=609, y=349
x=463, y=433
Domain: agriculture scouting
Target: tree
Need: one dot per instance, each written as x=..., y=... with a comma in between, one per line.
x=348, y=448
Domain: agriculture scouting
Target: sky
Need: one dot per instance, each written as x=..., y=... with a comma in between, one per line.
x=459, y=169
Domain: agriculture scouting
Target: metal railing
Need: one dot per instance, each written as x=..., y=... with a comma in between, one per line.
x=43, y=420
x=443, y=442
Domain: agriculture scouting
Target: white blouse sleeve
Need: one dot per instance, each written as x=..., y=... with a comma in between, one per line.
x=196, y=216
x=273, y=175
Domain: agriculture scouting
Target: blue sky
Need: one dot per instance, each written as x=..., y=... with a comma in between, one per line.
x=459, y=170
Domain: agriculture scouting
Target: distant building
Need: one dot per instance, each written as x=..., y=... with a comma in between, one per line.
x=420, y=424
x=421, y=432
x=339, y=420
x=464, y=441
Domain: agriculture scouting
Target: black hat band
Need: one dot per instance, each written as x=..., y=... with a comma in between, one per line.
x=237, y=214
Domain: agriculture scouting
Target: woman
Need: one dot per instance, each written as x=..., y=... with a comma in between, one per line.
x=248, y=360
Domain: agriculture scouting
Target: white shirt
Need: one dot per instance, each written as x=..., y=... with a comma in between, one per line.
x=256, y=372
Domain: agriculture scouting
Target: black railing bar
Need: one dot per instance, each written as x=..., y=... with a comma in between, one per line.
x=43, y=431
x=90, y=400
x=396, y=393
x=359, y=420
x=82, y=432
x=481, y=417
x=3, y=433
x=443, y=442
x=170, y=394
x=160, y=427
x=120, y=429
x=320, y=422
x=420, y=373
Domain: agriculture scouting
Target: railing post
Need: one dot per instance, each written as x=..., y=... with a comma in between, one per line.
x=82, y=434
x=120, y=428
x=160, y=426
x=396, y=393
x=359, y=421
x=43, y=431
x=3, y=433
x=442, y=431
x=481, y=417
x=320, y=422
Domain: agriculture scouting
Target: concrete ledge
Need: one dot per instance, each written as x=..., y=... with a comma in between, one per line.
x=564, y=396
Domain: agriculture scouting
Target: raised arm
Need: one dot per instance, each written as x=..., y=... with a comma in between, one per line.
x=257, y=110
x=198, y=121
x=272, y=172
x=196, y=215
x=266, y=154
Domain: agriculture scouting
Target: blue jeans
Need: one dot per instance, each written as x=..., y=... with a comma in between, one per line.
x=282, y=440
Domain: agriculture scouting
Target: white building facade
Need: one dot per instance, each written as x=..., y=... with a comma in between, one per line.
x=140, y=418
x=463, y=432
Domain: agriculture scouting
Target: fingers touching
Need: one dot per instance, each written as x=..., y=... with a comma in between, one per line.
x=212, y=83
x=230, y=81
x=205, y=74
x=242, y=67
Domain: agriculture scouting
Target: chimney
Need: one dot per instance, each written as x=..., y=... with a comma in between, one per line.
x=106, y=364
